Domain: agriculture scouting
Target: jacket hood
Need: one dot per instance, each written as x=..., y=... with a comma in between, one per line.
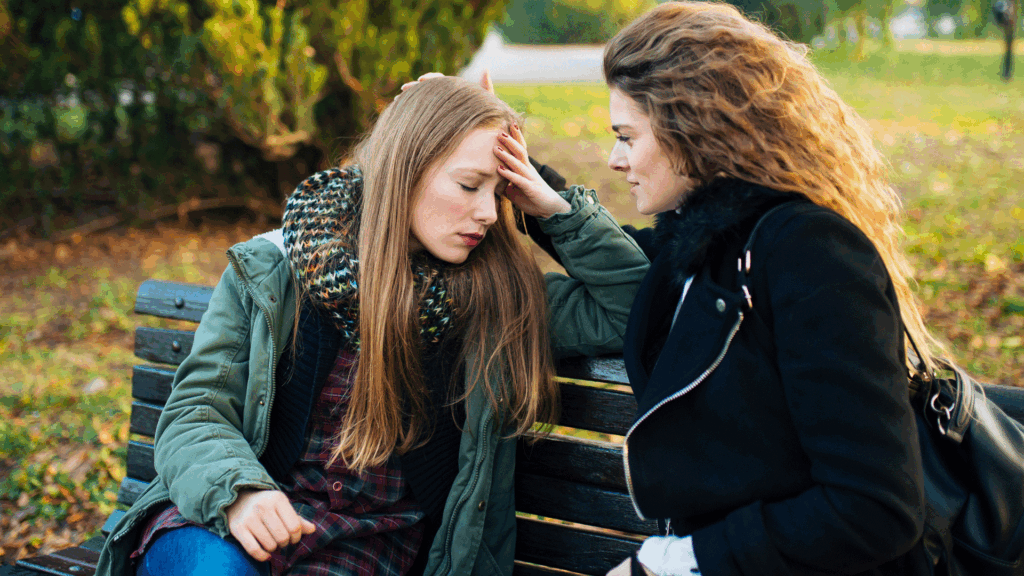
x=258, y=258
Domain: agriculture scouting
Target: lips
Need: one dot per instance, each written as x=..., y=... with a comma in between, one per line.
x=472, y=240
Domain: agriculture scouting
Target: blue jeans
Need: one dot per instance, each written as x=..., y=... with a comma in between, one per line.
x=195, y=551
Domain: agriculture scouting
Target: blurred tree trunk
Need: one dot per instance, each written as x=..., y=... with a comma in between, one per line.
x=1006, y=13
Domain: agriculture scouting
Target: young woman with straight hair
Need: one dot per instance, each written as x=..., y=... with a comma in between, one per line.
x=775, y=434
x=353, y=396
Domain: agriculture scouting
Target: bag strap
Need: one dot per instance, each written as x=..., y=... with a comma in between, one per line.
x=951, y=420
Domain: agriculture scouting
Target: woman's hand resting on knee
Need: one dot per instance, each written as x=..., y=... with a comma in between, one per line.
x=263, y=520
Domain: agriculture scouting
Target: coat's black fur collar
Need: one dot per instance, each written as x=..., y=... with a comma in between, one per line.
x=716, y=214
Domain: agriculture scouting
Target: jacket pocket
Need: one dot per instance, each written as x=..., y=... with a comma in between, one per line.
x=485, y=564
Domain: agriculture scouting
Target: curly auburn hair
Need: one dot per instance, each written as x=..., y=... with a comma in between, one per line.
x=727, y=97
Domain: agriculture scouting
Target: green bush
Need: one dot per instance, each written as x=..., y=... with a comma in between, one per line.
x=798, y=20
x=155, y=101
x=568, y=21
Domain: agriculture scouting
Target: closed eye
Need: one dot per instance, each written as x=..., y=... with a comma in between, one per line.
x=468, y=188
x=623, y=139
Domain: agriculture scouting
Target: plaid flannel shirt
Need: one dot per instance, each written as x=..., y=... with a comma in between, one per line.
x=366, y=525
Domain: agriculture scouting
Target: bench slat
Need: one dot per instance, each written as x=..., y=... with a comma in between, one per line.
x=112, y=521
x=595, y=463
x=609, y=369
x=163, y=345
x=140, y=461
x=583, y=407
x=596, y=409
x=57, y=565
x=176, y=300
x=523, y=569
x=144, y=418
x=95, y=543
x=568, y=548
x=151, y=383
x=130, y=490
x=553, y=498
x=79, y=555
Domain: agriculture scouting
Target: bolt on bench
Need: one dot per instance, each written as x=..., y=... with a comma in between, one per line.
x=577, y=486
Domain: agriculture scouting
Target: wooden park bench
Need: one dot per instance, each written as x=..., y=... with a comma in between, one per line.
x=572, y=479
x=576, y=514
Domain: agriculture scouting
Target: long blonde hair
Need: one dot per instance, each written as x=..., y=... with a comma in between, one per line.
x=726, y=96
x=498, y=292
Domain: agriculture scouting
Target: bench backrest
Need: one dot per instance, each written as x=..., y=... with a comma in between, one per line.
x=571, y=496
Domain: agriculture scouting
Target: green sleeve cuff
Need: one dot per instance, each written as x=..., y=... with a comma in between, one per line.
x=583, y=204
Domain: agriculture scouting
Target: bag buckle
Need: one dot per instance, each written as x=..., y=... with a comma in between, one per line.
x=941, y=412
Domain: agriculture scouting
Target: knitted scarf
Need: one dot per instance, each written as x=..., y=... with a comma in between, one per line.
x=323, y=212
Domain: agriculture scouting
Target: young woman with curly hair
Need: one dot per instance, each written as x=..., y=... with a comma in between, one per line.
x=775, y=434
x=355, y=389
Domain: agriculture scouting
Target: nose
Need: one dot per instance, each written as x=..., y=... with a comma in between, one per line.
x=486, y=210
x=617, y=158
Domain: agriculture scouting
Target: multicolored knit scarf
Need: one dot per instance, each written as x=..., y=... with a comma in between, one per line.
x=324, y=210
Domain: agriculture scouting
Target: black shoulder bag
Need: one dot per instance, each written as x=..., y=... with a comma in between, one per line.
x=973, y=455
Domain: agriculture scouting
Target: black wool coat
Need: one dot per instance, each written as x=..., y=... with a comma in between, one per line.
x=778, y=431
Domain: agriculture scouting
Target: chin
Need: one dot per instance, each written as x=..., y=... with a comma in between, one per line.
x=451, y=256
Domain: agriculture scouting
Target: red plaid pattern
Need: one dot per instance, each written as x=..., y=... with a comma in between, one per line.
x=366, y=525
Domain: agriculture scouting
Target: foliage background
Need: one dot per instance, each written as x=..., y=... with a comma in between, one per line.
x=130, y=107
x=133, y=110
x=568, y=21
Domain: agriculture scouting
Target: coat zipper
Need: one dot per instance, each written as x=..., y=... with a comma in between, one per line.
x=131, y=525
x=465, y=497
x=686, y=389
x=273, y=375
x=273, y=352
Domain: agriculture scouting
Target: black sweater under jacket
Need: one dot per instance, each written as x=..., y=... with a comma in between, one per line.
x=794, y=451
x=780, y=436
x=429, y=470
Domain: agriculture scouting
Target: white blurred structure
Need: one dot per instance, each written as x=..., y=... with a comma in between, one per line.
x=909, y=24
x=528, y=63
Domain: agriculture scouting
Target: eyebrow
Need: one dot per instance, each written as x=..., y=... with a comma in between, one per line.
x=477, y=171
x=619, y=127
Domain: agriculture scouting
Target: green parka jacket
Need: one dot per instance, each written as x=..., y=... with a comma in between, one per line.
x=214, y=425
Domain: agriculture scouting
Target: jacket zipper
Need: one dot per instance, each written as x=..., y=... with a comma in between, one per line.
x=686, y=389
x=273, y=351
x=273, y=375
x=465, y=497
x=131, y=525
